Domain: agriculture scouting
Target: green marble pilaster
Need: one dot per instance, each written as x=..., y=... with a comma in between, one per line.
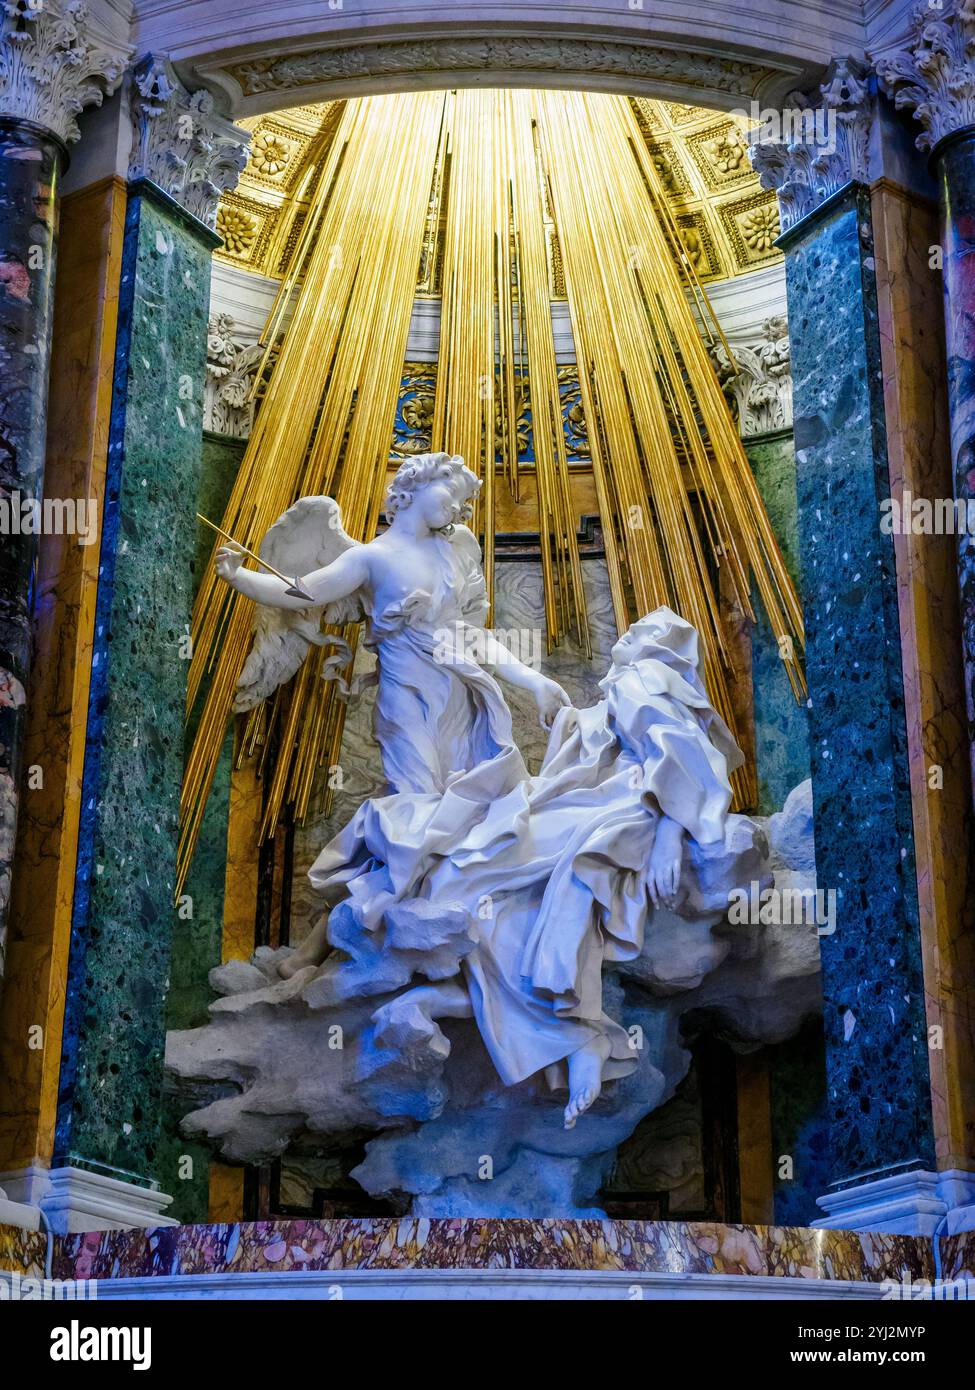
x=124, y=914
x=781, y=723
x=198, y=930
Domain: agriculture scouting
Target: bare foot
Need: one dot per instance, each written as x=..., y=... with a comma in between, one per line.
x=406, y=1026
x=312, y=951
x=663, y=873
x=585, y=1078
x=409, y=1020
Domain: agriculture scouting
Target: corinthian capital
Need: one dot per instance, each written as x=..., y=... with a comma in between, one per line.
x=757, y=380
x=935, y=75
x=49, y=69
x=181, y=143
x=808, y=152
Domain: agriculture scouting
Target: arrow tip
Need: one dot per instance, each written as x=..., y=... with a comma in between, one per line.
x=296, y=591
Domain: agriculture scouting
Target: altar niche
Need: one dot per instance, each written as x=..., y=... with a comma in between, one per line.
x=423, y=1042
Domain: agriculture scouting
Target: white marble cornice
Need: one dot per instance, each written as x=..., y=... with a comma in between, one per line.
x=799, y=34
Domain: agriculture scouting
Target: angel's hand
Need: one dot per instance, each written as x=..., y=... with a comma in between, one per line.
x=549, y=698
x=228, y=561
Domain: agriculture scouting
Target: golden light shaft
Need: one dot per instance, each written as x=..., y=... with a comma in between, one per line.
x=675, y=492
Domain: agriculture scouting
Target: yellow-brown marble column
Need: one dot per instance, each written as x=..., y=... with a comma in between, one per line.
x=226, y=1190
x=755, y=1160
x=82, y=363
x=910, y=311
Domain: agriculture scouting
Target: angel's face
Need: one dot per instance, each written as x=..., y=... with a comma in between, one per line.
x=436, y=504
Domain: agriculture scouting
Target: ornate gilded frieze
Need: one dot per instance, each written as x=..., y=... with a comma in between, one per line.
x=413, y=428
x=414, y=414
x=573, y=415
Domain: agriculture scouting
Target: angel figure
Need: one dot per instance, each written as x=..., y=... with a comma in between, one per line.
x=420, y=588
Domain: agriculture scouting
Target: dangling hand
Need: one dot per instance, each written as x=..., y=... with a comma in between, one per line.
x=663, y=872
x=549, y=698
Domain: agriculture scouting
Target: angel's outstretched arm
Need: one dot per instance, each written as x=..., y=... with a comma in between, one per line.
x=497, y=657
x=548, y=694
x=339, y=579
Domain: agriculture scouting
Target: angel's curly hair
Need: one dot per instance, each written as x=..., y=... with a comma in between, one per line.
x=422, y=469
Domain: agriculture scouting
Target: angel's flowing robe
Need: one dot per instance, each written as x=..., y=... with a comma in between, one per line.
x=438, y=712
x=552, y=868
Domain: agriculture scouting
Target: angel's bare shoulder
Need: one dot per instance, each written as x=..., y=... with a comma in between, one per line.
x=354, y=563
x=340, y=577
x=377, y=553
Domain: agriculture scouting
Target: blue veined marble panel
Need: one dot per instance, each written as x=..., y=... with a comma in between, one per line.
x=876, y=1045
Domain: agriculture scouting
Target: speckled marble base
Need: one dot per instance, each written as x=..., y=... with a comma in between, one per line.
x=692, y=1248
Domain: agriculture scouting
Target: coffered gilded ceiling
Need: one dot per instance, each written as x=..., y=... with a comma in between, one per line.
x=727, y=222
x=260, y=222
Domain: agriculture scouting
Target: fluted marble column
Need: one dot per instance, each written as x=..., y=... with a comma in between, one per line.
x=885, y=1127
x=50, y=71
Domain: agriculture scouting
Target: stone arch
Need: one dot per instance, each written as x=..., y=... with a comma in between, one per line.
x=719, y=54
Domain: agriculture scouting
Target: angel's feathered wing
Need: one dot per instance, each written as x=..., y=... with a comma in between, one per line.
x=307, y=537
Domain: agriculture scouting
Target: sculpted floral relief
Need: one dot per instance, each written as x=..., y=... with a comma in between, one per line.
x=758, y=382
x=231, y=366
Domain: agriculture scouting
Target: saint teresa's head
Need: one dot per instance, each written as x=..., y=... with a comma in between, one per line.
x=660, y=633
